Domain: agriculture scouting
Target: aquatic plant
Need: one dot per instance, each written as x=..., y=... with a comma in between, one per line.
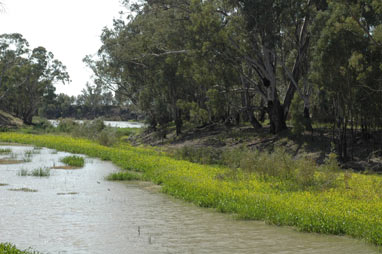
x=74, y=161
x=5, y=151
x=23, y=172
x=23, y=190
x=124, y=176
x=40, y=172
x=327, y=201
x=8, y=248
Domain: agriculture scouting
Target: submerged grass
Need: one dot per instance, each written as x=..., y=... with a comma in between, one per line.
x=74, y=161
x=273, y=188
x=5, y=151
x=23, y=190
x=41, y=172
x=124, y=176
x=38, y=172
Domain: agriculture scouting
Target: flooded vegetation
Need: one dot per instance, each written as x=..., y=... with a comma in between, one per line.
x=74, y=161
x=6, y=161
x=23, y=190
x=92, y=215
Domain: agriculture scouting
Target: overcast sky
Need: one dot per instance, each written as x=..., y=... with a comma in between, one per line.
x=70, y=29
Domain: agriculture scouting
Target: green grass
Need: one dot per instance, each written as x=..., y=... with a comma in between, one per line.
x=8, y=248
x=269, y=187
x=124, y=176
x=74, y=161
x=23, y=172
x=38, y=172
x=5, y=151
x=24, y=190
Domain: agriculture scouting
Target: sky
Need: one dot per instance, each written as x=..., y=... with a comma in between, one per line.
x=70, y=29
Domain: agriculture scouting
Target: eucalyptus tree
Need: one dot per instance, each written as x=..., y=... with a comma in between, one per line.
x=142, y=59
x=348, y=66
x=266, y=43
x=275, y=47
x=13, y=50
x=26, y=75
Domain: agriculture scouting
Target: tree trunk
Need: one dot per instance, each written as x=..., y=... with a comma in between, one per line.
x=246, y=100
x=252, y=119
x=276, y=117
x=308, y=121
x=263, y=111
x=178, y=121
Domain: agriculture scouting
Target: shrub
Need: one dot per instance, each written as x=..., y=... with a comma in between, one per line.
x=203, y=155
x=67, y=125
x=107, y=137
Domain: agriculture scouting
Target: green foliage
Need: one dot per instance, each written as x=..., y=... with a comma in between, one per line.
x=42, y=124
x=75, y=161
x=66, y=125
x=203, y=155
x=297, y=116
x=8, y=248
x=216, y=104
x=27, y=76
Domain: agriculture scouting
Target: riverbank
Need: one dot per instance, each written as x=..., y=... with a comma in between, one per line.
x=207, y=144
x=330, y=202
x=9, y=121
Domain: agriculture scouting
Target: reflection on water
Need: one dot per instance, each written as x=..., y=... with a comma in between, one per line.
x=117, y=124
x=77, y=211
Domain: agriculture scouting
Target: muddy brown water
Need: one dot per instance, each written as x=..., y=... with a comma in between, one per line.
x=77, y=211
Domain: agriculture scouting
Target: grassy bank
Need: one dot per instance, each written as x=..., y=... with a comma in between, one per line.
x=296, y=193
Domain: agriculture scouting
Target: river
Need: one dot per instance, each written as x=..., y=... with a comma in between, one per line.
x=117, y=124
x=77, y=211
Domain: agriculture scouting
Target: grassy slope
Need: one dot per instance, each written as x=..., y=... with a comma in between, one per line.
x=353, y=208
x=8, y=120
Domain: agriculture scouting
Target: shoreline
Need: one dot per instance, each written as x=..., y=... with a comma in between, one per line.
x=350, y=209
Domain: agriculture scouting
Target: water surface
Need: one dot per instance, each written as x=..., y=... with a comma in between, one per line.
x=77, y=211
x=117, y=124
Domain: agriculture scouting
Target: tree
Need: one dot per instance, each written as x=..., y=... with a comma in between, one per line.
x=27, y=76
x=348, y=66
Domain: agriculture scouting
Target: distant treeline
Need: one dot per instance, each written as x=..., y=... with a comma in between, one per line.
x=108, y=112
x=274, y=64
